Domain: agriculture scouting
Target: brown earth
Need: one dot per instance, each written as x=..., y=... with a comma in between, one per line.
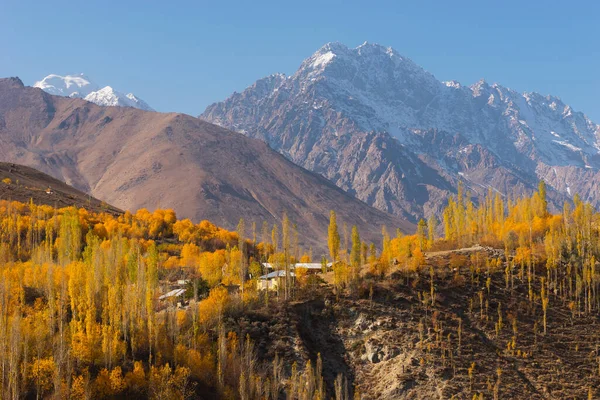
x=398, y=345
x=25, y=184
x=137, y=159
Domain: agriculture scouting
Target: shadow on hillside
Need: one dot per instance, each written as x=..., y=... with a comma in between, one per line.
x=316, y=327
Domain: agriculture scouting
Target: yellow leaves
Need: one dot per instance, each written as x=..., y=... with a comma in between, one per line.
x=201, y=365
x=117, y=383
x=181, y=318
x=539, y=226
x=231, y=269
x=102, y=384
x=166, y=384
x=212, y=308
x=79, y=388
x=136, y=379
x=42, y=374
x=301, y=276
x=211, y=266
x=205, y=231
x=172, y=262
x=7, y=181
x=100, y=231
x=108, y=383
x=341, y=274
x=85, y=347
x=523, y=255
x=184, y=230
x=189, y=255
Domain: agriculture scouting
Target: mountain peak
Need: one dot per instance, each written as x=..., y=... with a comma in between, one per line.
x=366, y=49
x=77, y=85
x=13, y=81
x=340, y=62
x=485, y=133
x=374, y=47
x=80, y=86
x=334, y=47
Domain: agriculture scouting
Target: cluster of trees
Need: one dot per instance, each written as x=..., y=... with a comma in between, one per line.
x=558, y=250
x=80, y=315
x=550, y=259
x=79, y=309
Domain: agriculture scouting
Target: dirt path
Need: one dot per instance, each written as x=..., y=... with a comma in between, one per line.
x=463, y=251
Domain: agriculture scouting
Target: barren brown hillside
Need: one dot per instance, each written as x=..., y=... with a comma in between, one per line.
x=134, y=159
x=20, y=183
x=477, y=339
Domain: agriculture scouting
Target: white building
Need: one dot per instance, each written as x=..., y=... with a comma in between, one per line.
x=272, y=280
x=315, y=267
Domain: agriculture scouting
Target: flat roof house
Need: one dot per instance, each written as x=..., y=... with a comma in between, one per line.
x=175, y=296
x=316, y=267
x=272, y=280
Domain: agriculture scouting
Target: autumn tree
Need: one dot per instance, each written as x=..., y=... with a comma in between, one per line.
x=333, y=240
x=355, y=254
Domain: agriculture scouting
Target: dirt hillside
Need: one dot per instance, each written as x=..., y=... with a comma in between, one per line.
x=134, y=159
x=20, y=183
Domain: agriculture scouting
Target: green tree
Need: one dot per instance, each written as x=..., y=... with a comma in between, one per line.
x=356, y=248
x=275, y=238
x=432, y=224
x=333, y=237
x=421, y=234
x=285, y=225
x=542, y=193
x=241, y=229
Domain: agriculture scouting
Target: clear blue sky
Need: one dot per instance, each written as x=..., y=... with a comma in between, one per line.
x=184, y=55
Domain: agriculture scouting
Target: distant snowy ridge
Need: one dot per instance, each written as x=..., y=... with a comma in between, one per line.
x=81, y=86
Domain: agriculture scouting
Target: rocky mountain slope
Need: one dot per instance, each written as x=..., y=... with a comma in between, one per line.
x=20, y=183
x=134, y=159
x=384, y=129
x=82, y=87
x=478, y=338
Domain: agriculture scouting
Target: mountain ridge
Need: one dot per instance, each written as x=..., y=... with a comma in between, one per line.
x=488, y=136
x=24, y=184
x=136, y=159
x=81, y=86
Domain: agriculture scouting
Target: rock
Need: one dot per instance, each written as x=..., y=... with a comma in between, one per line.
x=362, y=322
x=374, y=351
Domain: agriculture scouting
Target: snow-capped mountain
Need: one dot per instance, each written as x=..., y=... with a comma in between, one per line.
x=70, y=85
x=383, y=128
x=107, y=96
x=82, y=87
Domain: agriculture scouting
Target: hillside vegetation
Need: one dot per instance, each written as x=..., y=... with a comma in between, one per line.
x=505, y=304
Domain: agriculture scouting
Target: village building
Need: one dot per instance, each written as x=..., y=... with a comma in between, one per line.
x=314, y=267
x=174, y=296
x=272, y=280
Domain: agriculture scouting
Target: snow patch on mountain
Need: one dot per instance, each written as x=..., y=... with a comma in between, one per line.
x=323, y=59
x=69, y=85
x=80, y=86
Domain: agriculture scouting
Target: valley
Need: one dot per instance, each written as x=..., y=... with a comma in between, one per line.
x=236, y=201
x=97, y=303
